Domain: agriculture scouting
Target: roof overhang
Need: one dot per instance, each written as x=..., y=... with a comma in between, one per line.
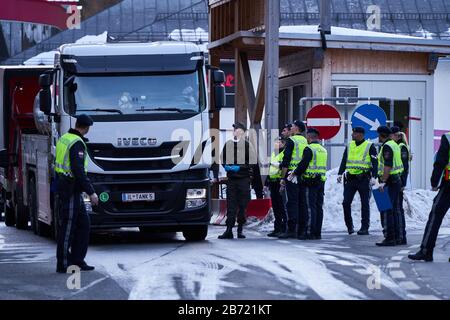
x=306, y=40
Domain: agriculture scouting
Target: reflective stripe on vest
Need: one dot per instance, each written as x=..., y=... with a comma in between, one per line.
x=398, y=164
x=318, y=164
x=358, y=158
x=62, y=162
x=297, y=153
x=274, y=168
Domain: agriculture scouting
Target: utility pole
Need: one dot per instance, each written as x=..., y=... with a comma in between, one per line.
x=272, y=58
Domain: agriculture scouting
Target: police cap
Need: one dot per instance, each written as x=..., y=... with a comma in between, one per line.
x=84, y=120
x=359, y=130
x=384, y=130
x=299, y=124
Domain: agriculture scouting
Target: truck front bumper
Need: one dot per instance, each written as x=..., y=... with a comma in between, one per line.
x=167, y=212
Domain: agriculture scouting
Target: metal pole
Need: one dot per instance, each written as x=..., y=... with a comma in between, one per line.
x=272, y=24
x=392, y=116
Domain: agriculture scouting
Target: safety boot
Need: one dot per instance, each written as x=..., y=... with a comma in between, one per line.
x=228, y=234
x=240, y=232
x=425, y=255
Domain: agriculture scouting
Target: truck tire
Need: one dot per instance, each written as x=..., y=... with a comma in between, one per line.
x=21, y=214
x=196, y=233
x=10, y=219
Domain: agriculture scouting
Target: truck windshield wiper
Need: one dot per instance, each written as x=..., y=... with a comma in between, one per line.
x=165, y=109
x=103, y=110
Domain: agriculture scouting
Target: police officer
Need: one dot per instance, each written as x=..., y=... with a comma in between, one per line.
x=273, y=181
x=293, y=153
x=286, y=132
x=311, y=173
x=390, y=169
x=398, y=137
x=238, y=157
x=441, y=203
x=360, y=165
x=72, y=181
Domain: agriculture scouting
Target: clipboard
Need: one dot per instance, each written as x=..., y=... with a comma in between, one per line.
x=382, y=199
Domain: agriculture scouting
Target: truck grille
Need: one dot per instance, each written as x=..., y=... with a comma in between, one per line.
x=106, y=150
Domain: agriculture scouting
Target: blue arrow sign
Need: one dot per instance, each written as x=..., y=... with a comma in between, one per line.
x=370, y=117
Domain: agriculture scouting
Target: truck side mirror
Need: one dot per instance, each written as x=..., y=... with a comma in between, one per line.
x=45, y=100
x=45, y=95
x=219, y=96
x=72, y=87
x=45, y=80
x=218, y=76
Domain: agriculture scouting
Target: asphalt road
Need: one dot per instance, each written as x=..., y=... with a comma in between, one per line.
x=132, y=265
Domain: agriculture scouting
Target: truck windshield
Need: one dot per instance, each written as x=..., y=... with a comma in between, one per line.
x=139, y=94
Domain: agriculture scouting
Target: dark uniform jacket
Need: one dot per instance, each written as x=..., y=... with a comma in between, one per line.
x=440, y=164
x=239, y=153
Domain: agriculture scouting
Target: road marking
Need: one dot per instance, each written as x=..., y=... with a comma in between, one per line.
x=397, y=274
x=416, y=246
x=393, y=265
x=409, y=285
x=283, y=241
x=404, y=252
x=397, y=258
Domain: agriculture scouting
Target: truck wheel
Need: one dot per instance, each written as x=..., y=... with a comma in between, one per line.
x=196, y=233
x=10, y=219
x=21, y=214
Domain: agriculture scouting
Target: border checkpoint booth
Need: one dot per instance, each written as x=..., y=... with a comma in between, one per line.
x=302, y=64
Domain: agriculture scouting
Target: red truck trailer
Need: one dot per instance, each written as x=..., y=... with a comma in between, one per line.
x=19, y=86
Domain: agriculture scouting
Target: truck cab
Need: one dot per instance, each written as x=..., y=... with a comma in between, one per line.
x=149, y=150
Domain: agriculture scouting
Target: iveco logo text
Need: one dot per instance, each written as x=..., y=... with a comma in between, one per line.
x=134, y=142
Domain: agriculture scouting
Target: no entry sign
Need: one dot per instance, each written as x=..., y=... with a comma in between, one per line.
x=326, y=119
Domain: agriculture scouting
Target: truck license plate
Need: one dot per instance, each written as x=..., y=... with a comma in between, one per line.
x=131, y=197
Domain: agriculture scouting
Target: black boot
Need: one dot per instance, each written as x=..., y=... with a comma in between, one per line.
x=350, y=230
x=363, y=232
x=240, y=234
x=274, y=234
x=387, y=243
x=228, y=234
x=425, y=255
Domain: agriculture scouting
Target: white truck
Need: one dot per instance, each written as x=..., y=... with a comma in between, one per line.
x=140, y=96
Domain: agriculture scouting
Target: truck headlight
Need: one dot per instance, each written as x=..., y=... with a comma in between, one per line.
x=195, y=198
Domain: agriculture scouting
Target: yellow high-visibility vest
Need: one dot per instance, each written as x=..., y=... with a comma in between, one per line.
x=300, y=143
x=358, y=158
x=398, y=164
x=274, y=168
x=318, y=164
x=62, y=162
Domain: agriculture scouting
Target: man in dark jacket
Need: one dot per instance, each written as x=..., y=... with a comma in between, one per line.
x=360, y=165
x=441, y=203
x=398, y=137
x=238, y=157
x=72, y=181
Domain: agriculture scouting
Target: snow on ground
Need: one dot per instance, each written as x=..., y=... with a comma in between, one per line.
x=417, y=206
x=169, y=274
